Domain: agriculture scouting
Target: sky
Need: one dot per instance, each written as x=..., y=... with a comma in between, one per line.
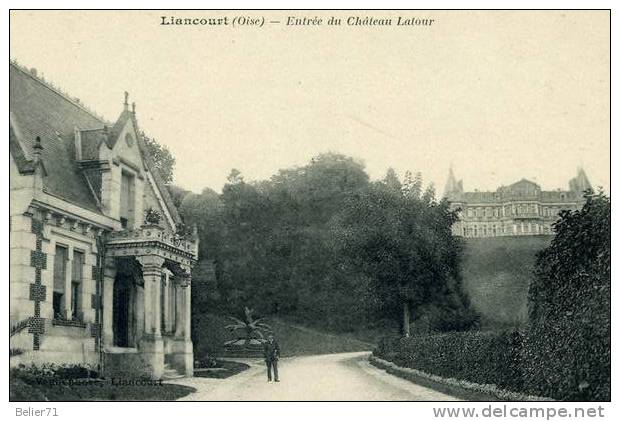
x=499, y=96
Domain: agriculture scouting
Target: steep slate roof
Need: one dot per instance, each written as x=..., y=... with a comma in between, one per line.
x=40, y=110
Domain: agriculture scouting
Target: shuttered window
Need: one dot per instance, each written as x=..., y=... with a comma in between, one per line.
x=60, y=272
x=127, y=200
x=76, y=282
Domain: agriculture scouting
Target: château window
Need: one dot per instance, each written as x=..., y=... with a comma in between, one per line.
x=127, y=200
x=60, y=274
x=76, y=283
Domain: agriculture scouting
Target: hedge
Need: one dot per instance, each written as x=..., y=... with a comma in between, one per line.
x=563, y=358
x=476, y=357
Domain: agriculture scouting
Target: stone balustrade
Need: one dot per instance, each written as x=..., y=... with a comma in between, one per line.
x=154, y=234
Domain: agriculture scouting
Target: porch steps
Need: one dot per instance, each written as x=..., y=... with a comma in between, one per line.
x=171, y=373
x=124, y=363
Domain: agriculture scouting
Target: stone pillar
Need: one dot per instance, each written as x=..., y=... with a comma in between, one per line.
x=178, y=308
x=151, y=273
x=187, y=311
x=187, y=356
x=139, y=314
x=109, y=274
x=152, y=345
x=166, y=293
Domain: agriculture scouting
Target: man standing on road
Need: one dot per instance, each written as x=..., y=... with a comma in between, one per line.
x=271, y=351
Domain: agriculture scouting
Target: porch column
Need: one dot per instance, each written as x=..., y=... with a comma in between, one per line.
x=151, y=273
x=187, y=311
x=139, y=314
x=178, y=308
x=187, y=356
x=183, y=309
x=152, y=345
x=166, y=293
x=109, y=274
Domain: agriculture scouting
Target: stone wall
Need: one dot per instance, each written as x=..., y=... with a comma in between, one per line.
x=33, y=239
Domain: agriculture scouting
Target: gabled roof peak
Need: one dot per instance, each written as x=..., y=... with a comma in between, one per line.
x=524, y=181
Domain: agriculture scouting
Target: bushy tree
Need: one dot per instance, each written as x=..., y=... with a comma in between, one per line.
x=404, y=244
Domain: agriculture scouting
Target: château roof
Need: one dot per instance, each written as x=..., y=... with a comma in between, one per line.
x=39, y=110
x=521, y=190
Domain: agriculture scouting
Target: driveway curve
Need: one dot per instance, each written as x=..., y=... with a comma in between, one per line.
x=330, y=377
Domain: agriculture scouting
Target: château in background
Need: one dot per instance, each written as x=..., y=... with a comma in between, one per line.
x=521, y=208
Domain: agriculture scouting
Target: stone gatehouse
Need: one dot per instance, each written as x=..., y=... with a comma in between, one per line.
x=100, y=263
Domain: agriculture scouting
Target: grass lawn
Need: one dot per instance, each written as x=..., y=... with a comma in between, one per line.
x=293, y=339
x=223, y=370
x=21, y=390
x=496, y=275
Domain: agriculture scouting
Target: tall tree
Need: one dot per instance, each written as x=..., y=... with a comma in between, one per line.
x=405, y=246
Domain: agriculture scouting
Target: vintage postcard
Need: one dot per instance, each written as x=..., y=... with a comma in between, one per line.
x=320, y=205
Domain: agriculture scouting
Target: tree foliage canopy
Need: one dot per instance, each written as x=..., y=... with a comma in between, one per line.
x=322, y=244
x=162, y=157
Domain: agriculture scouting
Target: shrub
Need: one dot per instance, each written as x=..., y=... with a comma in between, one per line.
x=206, y=361
x=567, y=350
x=478, y=357
x=25, y=385
x=56, y=371
x=13, y=352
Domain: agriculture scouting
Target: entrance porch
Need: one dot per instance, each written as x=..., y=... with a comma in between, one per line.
x=147, y=299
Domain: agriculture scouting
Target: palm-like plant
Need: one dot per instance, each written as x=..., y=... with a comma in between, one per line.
x=251, y=327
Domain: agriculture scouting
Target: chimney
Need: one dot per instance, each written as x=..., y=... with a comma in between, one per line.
x=33, y=72
x=38, y=164
x=37, y=148
x=133, y=108
x=78, y=143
